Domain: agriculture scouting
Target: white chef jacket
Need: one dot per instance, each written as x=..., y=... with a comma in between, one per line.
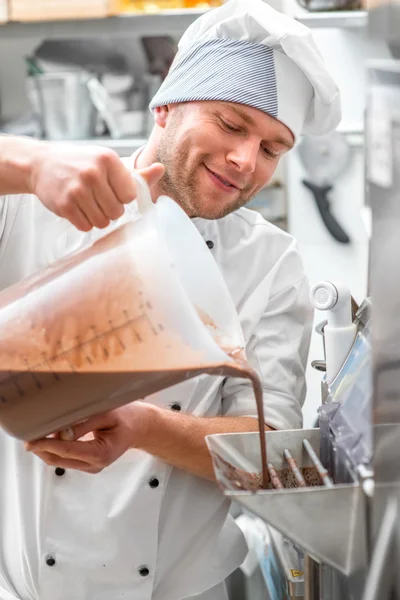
x=140, y=529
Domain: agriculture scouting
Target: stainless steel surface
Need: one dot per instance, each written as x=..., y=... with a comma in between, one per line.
x=293, y=466
x=330, y=5
x=345, y=19
x=383, y=174
x=275, y=479
x=384, y=185
x=363, y=314
x=173, y=21
x=311, y=579
x=345, y=417
x=381, y=576
x=64, y=105
x=301, y=513
x=319, y=365
x=323, y=473
x=384, y=23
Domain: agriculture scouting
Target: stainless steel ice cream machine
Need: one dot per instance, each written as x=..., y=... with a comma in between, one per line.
x=333, y=499
x=320, y=480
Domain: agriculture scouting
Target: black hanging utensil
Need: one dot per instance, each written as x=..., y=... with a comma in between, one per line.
x=321, y=198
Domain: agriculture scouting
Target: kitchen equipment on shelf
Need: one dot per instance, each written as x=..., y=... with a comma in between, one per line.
x=327, y=5
x=64, y=105
x=102, y=102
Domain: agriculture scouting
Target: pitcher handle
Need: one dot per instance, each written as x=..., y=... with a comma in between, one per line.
x=143, y=195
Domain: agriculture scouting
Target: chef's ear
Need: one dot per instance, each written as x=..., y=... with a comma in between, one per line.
x=161, y=115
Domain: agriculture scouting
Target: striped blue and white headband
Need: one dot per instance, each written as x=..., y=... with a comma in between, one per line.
x=239, y=71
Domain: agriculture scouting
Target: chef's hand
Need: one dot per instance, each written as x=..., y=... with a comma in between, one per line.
x=97, y=442
x=89, y=186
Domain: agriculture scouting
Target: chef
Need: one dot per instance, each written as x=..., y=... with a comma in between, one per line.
x=135, y=512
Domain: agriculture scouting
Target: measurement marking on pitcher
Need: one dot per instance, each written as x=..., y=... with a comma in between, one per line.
x=113, y=329
x=153, y=329
x=79, y=344
x=29, y=370
x=126, y=315
x=15, y=382
x=47, y=362
x=65, y=353
x=98, y=338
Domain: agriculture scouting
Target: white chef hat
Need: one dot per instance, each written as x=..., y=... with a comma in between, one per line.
x=249, y=53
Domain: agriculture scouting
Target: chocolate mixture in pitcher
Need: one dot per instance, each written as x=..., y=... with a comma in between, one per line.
x=89, y=334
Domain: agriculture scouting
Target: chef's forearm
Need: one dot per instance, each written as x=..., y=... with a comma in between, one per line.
x=179, y=439
x=17, y=155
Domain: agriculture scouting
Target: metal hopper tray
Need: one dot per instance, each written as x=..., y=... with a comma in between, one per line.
x=327, y=520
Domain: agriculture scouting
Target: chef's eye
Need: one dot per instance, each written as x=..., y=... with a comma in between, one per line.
x=229, y=127
x=269, y=152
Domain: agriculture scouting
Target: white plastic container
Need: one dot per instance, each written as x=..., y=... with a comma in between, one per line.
x=143, y=308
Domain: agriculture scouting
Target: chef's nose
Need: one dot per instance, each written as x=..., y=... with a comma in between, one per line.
x=244, y=155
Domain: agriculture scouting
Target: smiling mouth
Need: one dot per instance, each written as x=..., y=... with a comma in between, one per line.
x=229, y=185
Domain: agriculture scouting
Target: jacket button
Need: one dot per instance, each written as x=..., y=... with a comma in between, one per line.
x=154, y=483
x=176, y=407
x=210, y=244
x=59, y=471
x=144, y=571
x=50, y=561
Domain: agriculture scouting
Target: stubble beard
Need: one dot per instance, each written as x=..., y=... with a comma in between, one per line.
x=180, y=184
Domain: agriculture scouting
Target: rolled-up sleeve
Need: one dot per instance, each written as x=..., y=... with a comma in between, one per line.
x=277, y=349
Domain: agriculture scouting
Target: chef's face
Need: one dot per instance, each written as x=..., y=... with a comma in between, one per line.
x=217, y=155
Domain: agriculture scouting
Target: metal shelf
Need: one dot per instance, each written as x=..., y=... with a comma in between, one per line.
x=341, y=19
x=172, y=21
x=122, y=146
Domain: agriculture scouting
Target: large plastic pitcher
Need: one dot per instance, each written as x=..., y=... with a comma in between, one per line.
x=141, y=309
